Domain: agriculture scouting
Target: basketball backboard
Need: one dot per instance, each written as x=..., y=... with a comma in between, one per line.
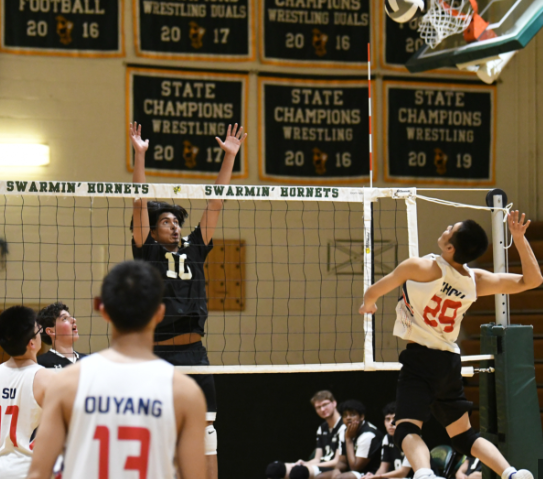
x=507, y=26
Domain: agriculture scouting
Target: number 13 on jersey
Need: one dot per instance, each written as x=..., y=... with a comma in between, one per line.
x=124, y=433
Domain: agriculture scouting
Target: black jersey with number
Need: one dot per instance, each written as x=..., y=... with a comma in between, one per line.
x=391, y=453
x=53, y=360
x=367, y=444
x=184, y=283
x=328, y=440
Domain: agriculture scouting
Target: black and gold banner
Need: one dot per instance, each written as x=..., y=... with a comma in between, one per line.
x=181, y=113
x=315, y=32
x=439, y=133
x=195, y=30
x=91, y=28
x=313, y=131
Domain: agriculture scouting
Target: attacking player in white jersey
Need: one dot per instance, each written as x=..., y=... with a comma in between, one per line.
x=123, y=410
x=22, y=388
x=437, y=291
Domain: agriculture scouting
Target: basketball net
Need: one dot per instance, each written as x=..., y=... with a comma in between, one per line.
x=445, y=19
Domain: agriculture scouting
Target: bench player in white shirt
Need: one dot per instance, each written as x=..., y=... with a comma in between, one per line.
x=22, y=388
x=123, y=410
x=437, y=291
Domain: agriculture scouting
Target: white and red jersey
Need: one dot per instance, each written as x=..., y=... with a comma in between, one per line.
x=123, y=421
x=430, y=313
x=19, y=418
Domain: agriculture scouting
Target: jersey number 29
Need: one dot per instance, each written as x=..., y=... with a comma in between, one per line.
x=439, y=311
x=125, y=433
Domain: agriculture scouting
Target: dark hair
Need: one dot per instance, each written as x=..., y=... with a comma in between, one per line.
x=469, y=241
x=390, y=408
x=17, y=326
x=352, y=405
x=322, y=396
x=47, y=318
x=276, y=470
x=299, y=472
x=131, y=295
x=156, y=208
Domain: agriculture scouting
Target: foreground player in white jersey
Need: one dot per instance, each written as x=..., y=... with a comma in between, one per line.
x=124, y=411
x=437, y=291
x=22, y=387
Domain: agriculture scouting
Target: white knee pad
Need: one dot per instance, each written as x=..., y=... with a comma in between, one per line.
x=211, y=441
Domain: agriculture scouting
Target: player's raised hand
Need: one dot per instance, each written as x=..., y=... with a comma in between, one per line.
x=234, y=140
x=517, y=224
x=134, y=132
x=367, y=308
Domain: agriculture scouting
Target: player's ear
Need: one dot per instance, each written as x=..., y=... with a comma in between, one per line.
x=160, y=312
x=50, y=331
x=104, y=314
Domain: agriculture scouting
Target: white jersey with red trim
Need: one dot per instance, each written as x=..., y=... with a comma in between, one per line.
x=430, y=313
x=19, y=417
x=123, y=421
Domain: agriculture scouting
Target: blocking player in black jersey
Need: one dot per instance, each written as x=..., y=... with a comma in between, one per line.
x=157, y=239
x=360, y=444
x=327, y=447
x=59, y=330
x=393, y=460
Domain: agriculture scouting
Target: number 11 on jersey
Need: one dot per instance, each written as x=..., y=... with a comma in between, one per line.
x=171, y=273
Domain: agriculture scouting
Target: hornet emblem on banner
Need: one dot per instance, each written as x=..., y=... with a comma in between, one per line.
x=64, y=29
x=196, y=33
x=319, y=160
x=189, y=154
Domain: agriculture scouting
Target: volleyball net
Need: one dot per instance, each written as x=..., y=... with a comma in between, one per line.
x=284, y=280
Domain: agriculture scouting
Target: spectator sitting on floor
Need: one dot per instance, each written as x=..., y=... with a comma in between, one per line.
x=360, y=444
x=327, y=450
x=393, y=460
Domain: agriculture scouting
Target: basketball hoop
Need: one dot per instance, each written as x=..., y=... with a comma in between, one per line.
x=445, y=19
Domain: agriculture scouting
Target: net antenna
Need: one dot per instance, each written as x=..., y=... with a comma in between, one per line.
x=369, y=113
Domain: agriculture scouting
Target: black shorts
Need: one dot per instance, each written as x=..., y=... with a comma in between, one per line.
x=194, y=354
x=430, y=382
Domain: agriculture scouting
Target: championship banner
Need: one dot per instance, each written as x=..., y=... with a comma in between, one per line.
x=313, y=131
x=319, y=33
x=79, y=28
x=196, y=30
x=439, y=133
x=181, y=113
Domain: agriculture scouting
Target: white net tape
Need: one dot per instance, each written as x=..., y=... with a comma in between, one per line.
x=444, y=19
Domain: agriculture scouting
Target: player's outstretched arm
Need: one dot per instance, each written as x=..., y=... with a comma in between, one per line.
x=422, y=270
x=231, y=145
x=141, y=216
x=190, y=413
x=57, y=404
x=507, y=283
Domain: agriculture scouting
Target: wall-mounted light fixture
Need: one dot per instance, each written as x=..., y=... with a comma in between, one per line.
x=23, y=154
